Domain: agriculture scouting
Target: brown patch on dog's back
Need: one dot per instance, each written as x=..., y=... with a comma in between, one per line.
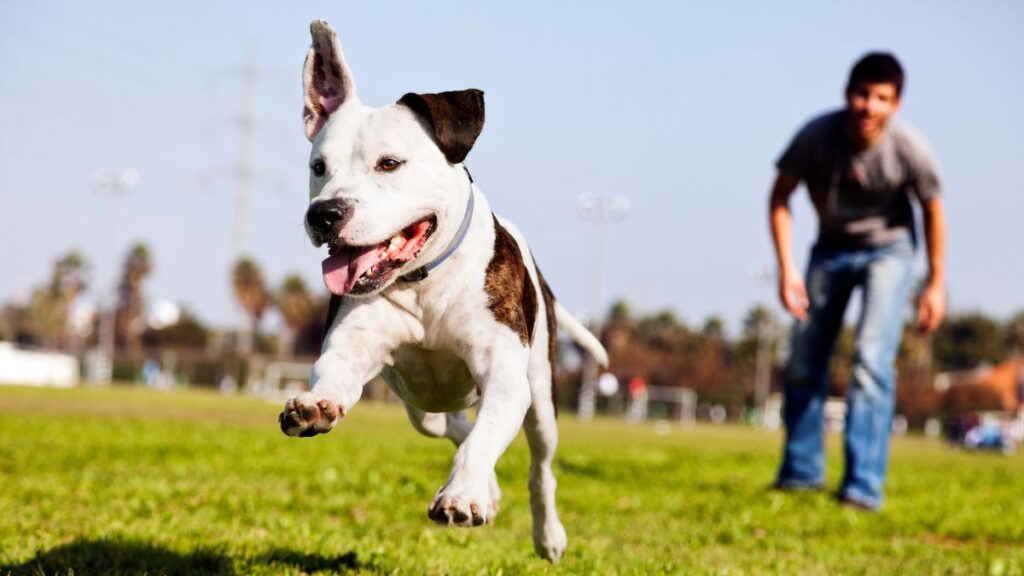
x=511, y=296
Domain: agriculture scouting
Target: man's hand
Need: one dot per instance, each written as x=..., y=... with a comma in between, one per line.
x=793, y=293
x=931, y=309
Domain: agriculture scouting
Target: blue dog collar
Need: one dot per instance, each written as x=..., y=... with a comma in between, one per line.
x=421, y=273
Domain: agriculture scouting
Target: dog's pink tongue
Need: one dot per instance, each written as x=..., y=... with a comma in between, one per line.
x=343, y=269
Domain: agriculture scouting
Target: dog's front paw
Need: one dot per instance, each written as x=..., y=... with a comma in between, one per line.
x=463, y=504
x=305, y=416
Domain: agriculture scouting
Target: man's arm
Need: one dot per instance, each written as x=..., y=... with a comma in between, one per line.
x=931, y=309
x=792, y=291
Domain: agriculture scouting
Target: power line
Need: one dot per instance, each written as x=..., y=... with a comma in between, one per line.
x=242, y=171
x=248, y=72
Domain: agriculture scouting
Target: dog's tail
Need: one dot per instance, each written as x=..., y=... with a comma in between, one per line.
x=579, y=333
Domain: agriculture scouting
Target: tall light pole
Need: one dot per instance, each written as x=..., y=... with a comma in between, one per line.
x=113, y=184
x=765, y=329
x=601, y=211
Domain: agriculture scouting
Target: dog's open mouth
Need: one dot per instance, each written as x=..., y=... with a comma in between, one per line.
x=362, y=269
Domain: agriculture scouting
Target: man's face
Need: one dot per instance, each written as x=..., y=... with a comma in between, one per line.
x=870, y=106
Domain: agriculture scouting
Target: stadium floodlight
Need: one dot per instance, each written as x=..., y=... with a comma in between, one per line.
x=113, y=184
x=601, y=211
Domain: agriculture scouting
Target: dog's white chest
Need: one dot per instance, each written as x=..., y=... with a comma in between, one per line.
x=431, y=380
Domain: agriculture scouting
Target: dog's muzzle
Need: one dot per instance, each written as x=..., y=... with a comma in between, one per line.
x=323, y=216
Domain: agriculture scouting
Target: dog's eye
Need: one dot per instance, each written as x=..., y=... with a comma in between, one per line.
x=318, y=167
x=388, y=164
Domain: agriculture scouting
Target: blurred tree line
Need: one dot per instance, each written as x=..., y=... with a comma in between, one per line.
x=659, y=346
x=51, y=317
x=666, y=351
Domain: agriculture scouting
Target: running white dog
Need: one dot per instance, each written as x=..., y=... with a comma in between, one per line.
x=429, y=289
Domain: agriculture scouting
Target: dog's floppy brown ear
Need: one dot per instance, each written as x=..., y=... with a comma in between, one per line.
x=456, y=118
x=327, y=83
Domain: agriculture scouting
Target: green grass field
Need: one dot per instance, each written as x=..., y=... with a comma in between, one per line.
x=126, y=481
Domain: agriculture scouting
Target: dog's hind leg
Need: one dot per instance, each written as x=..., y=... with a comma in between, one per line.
x=541, y=426
x=549, y=539
x=454, y=426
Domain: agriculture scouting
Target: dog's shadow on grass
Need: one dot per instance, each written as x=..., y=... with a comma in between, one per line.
x=128, y=557
x=120, y=557
x=307, y=562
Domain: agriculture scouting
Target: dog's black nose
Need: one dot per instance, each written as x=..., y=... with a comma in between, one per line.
x=323, y=215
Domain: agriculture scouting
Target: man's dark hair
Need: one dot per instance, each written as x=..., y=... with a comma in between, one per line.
x=877, y=68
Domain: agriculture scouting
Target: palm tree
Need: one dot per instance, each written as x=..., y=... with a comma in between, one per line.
x=296, y=307
x=71, y=272
x=50, y=306
x=46, y=318
x=252, y=294
x=138, y=264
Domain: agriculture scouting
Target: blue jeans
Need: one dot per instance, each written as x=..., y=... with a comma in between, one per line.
x=885, y=276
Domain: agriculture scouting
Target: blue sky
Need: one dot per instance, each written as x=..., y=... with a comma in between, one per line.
x=682, y=107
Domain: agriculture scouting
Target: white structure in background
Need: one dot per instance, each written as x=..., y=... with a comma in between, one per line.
x=900, y=425
x=835, y=417
x=32, y=368
x=835, y=414
x=607, y=384
x=281, y=380
x=772, y=417
x=601, y=211
x=163, y=313
x=637, y=407
x=684, y=398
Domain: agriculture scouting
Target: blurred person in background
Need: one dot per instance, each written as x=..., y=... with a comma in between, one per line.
x=862, y=168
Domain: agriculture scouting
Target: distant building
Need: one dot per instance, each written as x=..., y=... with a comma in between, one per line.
x=36, y=368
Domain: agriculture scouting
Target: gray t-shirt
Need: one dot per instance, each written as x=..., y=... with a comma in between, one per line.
x=862, y=196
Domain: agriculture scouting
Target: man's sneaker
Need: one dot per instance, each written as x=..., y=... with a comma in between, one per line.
x=848, y=501
x=785, y=486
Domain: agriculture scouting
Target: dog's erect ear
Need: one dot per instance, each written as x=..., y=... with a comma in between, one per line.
x=456, y=118
x=326, y=80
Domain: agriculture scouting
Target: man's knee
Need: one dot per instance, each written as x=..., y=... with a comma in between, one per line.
x=876, y=357
x=873, y=376
x=803, y=370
